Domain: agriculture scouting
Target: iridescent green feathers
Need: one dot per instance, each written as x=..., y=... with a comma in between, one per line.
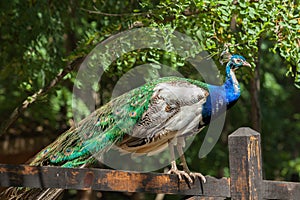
x=105, y=127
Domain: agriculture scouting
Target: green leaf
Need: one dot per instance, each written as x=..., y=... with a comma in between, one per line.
x=225, y=3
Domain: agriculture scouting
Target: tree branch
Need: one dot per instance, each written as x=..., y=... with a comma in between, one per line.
x=31, y=99
x=98, y=12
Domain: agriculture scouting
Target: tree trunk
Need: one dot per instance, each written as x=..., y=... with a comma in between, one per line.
x=254, y=91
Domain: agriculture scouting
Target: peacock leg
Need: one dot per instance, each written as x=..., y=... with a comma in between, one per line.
x=185, y=166
x=174, y=169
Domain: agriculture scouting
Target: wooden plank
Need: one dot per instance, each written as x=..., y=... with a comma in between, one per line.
x=216, y=187
x=205, y=198
x=245, y=164
x=107, y=180
x=281, y=190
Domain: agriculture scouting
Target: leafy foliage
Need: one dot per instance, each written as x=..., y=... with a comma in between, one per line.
x=38, y=39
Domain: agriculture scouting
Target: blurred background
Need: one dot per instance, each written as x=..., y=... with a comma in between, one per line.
x=42, y=44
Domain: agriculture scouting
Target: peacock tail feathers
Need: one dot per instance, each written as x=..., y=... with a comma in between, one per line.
x=105, y=127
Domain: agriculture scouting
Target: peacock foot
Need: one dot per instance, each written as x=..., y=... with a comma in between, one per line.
x=190, y=176
x=180, y=174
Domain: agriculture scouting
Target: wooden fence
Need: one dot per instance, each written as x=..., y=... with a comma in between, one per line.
x=245, y=180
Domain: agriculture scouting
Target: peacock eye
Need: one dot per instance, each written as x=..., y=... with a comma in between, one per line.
x=53, y=157
x=132, y=114
x=45, y=151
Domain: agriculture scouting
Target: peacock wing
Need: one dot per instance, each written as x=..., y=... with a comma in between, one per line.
x=175, y=109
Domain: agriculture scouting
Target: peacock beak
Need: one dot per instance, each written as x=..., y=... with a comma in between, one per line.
x=246, y=64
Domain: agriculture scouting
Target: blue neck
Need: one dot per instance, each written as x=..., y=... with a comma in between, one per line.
x=231, y=87
x=221, y=97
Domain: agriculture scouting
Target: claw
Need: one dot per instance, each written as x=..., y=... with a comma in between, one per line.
x=196, y=174
x=180, y=173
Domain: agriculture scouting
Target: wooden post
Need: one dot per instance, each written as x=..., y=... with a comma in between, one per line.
x=245, y=164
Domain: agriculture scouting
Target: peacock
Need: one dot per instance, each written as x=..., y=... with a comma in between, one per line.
x=157, y=115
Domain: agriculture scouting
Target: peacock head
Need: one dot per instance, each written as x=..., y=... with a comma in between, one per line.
x=237, y=61
x=233, y=61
